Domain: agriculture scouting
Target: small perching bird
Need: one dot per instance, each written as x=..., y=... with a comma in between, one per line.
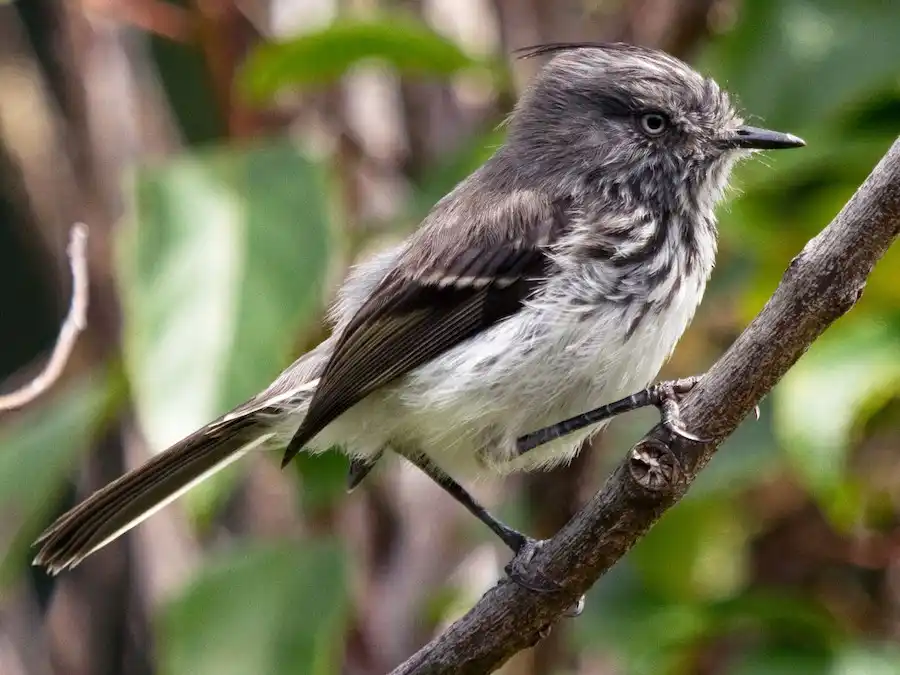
x=558, y=277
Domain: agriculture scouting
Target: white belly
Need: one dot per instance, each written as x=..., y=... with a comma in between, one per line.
x=467, y=408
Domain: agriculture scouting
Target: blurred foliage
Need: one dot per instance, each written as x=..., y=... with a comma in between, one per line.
x=438, y=180
x=818, y=420
x=184, y=79
x=217, y=278
x=694, y=570
x=320, y=57
x=323, y=478
x=798, y=62
x=222, y=265
x=827, y=71
x=40, y=449
x=277, y=610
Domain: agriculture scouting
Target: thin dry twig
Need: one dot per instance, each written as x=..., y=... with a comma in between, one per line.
x=75, y=322
x=821, y=284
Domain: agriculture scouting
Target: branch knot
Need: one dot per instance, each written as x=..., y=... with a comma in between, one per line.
x=653, y=466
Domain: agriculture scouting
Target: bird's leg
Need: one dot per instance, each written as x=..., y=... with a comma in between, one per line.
x=522, y=546
x=663, y=395
x=514, y=539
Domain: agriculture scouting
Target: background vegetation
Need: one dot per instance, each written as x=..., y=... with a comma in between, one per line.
x=232, y=158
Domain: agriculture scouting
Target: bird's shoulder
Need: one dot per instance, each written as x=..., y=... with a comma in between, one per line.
x=471, y=242
x=464, y=229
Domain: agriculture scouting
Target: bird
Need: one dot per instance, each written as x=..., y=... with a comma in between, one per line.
x=557, y=278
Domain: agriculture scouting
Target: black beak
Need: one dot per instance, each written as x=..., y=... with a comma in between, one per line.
x=754, y=138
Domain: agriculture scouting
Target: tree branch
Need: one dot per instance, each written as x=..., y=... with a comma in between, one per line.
x=68, y=334
x=822, y=283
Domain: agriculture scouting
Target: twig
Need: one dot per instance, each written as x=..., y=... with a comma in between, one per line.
x=68, y=334
x=820, y=285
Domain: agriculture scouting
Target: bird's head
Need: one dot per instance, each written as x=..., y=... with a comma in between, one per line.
x=633, y=118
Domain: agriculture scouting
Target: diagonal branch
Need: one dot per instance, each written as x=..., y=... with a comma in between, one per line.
x=822, y=283
x=68, y=334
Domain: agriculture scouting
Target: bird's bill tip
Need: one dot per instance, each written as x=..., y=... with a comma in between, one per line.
x=755, y=138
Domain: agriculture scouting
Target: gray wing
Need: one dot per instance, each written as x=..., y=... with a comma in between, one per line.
x=420, y=310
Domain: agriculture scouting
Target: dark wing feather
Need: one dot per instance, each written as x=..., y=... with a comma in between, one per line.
x=410, y=320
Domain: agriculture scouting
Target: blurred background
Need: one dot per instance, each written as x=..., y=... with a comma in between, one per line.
x=232, y=158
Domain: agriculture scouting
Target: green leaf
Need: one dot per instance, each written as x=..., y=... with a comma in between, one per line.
x=321, y=57
x=38, y=449
x=271, y=611
x=846, y=376
x=219, y=271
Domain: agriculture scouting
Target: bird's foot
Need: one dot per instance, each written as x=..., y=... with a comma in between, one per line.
x=666, y=396
x=521, y=572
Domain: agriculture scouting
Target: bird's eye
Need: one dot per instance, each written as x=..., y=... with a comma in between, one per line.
x=653, y=123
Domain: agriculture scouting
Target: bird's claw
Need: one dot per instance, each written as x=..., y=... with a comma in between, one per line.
x=670, y=394
x=684, y=433
x=522, y=573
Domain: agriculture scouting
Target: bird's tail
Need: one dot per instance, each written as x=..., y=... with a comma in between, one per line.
x=112, y=511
